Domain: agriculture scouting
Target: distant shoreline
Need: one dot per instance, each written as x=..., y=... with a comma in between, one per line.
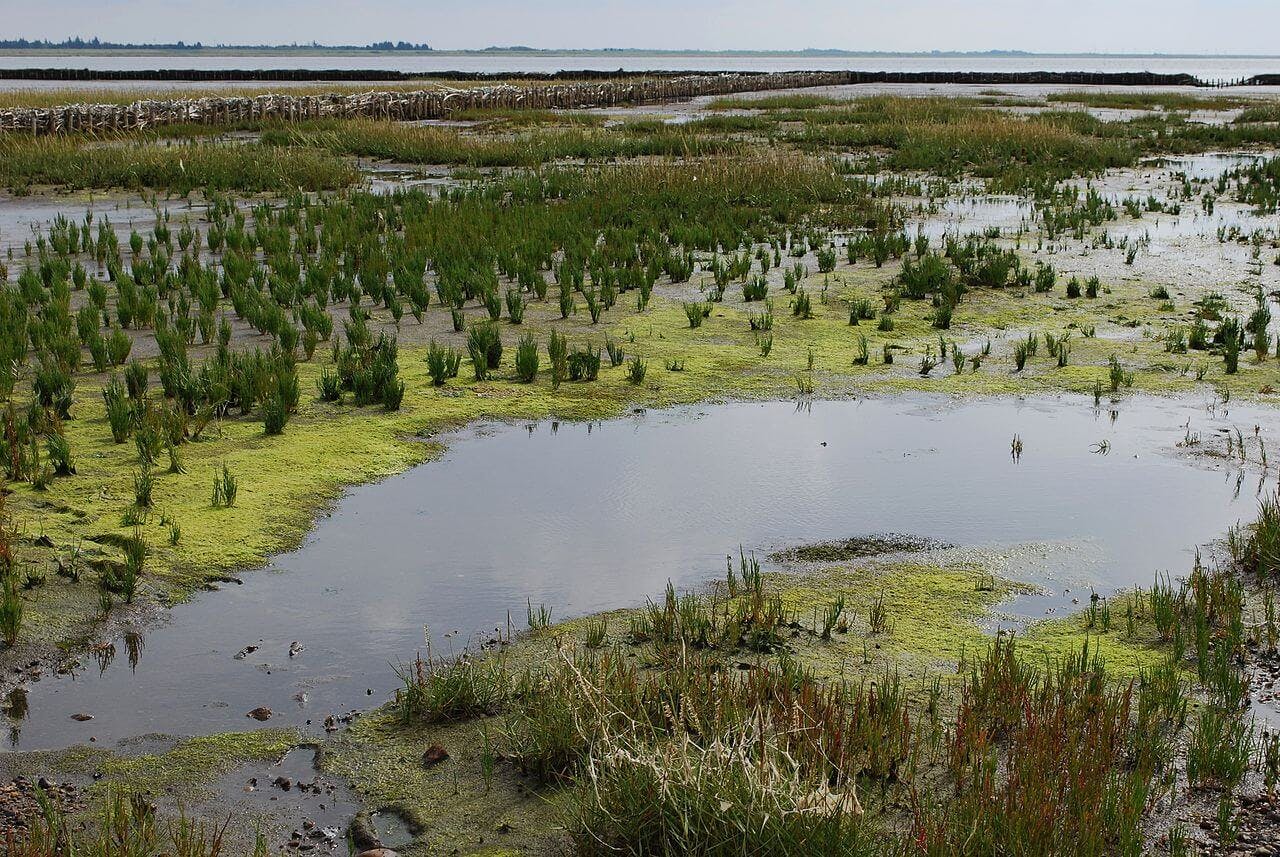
x=313, y=50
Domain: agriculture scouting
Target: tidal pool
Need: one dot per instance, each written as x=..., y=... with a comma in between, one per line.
x=587, y=517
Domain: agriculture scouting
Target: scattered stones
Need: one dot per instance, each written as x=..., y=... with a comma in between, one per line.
x=1258, y=825
x=260, y=713
x=20, y=801
x=295, y=649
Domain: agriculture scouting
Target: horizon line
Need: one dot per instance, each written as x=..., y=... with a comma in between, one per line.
x=11, y=45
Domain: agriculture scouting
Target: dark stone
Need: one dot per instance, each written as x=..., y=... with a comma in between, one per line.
x=364, y=838
x=434, y=755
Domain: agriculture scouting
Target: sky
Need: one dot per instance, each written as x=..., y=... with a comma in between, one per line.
x=1114, y=26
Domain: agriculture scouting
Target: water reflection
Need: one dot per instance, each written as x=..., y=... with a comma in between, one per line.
x=595, y=516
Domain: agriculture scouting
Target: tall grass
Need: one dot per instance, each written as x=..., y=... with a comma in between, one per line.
x=419, y=144
x=73, y=164
x=440, y=690
x=947, y=137
x=1140, y=100
x=1257, y=549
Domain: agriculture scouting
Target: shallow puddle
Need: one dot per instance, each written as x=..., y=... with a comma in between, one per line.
x=24, y=218
x=296, y=804
x=587, y=517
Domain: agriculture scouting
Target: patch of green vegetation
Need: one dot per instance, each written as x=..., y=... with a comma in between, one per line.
x=418, y=144
x=897, y=648
x=950, y=137
x=1149, y=100
x=194, y=764
x=467, y=801
x=791, y=101
x=75, y=163
x=855, y=548
x=185, y=772
x=916, y=617
x=1269, y=112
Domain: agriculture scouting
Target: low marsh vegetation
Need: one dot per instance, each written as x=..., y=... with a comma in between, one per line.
x=695, y=725
x=74, y=164
x=541, y=275
x=436, y=145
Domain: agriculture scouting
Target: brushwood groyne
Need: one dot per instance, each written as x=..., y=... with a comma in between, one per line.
x=561, y=90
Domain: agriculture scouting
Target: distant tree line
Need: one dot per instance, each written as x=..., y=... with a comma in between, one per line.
x=78, y=44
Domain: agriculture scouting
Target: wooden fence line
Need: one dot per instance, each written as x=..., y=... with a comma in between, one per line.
x=624, y=89
x=400, y=106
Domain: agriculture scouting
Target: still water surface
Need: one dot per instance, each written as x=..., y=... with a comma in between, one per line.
x=591, y=517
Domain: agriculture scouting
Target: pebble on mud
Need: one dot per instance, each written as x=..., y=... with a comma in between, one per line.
x=434, y=755
x=260, y=713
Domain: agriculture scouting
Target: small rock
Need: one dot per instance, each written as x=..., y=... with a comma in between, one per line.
x=434, y=755
x=362, y=833
x=295, y=649
x=260, y=713
x=283, y=783
x=81, y=717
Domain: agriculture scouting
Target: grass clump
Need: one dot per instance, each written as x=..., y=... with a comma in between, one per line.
x=439, y=690
x=527, y=359
x=226, y=487
x=126, y=825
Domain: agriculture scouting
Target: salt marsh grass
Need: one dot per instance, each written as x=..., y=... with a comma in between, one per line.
x=71, y=164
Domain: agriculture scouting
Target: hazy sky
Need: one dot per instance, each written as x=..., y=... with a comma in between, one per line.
x=1167, y=26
